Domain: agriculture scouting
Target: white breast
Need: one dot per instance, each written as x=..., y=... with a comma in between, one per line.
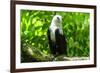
x=52, y=33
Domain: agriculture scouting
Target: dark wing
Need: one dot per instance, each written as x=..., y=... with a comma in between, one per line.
x=52, y=44
x=61, y=42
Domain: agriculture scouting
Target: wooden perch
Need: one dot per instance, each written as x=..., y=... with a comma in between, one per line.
x=41, y=57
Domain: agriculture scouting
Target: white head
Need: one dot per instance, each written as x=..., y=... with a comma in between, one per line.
x=57, y=20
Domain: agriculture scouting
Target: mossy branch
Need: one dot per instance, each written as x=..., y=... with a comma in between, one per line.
x=41, y=57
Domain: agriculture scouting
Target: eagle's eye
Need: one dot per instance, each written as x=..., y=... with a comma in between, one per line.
x=58, y=18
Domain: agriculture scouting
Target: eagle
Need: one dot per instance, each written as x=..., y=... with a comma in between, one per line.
x=56, y=39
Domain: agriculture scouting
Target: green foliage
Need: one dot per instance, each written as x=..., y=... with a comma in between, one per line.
x=34, y=25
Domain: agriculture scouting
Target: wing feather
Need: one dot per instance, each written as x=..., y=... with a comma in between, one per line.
x=61, y=42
